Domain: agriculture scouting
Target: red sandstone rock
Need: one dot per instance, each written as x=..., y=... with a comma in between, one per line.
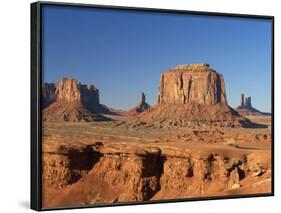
x=72, y=101
x=193, y=94
x=141, y=107
x=67, y=90
x=246, y=107
x=48, y=94
x=193, y=83
x=109, y=173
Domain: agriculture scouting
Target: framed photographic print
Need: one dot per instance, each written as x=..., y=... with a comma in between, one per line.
x=141, y=105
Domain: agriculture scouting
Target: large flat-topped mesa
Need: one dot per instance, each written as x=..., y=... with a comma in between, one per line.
x=192, y=95
x=191, y=83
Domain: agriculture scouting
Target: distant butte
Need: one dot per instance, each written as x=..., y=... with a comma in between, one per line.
x=141, y=107
x=69, y=100
x=246, y=107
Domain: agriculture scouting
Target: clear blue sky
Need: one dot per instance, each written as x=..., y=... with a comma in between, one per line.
x=123, y=52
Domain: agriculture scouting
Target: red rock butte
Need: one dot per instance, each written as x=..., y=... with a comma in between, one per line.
x=194, y=94
x=70, y=91
x=68, y=100
x=192, y=83
x=246, y=108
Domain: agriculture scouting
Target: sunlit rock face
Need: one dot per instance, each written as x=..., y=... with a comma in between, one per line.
x=191, y=83
x=192, y=95
x=69, y=100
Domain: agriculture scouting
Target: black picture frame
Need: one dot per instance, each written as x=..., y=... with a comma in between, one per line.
x=36, y=82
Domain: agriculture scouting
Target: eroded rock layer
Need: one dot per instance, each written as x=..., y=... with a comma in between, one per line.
x=69, y=100
x=69, y=90
x=109, y=173
x=193, y=83
x=192, y=95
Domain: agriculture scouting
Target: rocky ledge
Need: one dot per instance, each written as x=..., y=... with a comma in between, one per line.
x=118, y=172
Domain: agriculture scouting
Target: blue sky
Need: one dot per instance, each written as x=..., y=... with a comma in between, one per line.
x=123, y=52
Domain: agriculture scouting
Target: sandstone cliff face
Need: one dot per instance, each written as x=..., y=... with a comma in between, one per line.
x=69, y=90
x=110, y=173
x=48, y=94
x=90, y=96
x=69, y=100
x=193, y=95
x=194, y=83
x=66, y=165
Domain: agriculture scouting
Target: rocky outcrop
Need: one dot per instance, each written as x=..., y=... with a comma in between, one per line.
x=248, y=102
x=90, y=97
x=141, y=107
x=69, y=100
x=69, y=90
x=110, y=173
x=48, y=94
x=193, y=83
x=65, y=165
x=242, y=102
x=246, y=107
x=193, y=95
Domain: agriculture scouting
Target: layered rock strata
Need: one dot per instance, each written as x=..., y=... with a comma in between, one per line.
x=193, y=83
x=193, y=94
x=69, y=100
x=110, y=173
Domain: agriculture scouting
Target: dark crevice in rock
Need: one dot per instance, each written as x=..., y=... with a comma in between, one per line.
x=218, y=89
x=189, y=88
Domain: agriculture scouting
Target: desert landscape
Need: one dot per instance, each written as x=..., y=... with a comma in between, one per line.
x=190, y=144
